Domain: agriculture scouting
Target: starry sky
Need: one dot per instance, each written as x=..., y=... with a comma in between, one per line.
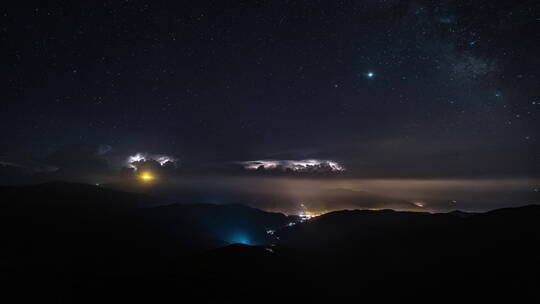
x=386, y=89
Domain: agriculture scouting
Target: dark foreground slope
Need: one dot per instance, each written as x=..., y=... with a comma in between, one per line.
x=76, y=243
x=60, y=237
x=390, y=255
x=418, y=253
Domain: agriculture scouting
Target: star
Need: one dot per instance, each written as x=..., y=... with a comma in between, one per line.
x=370, y=75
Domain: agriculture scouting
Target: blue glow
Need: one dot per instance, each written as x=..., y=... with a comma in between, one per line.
x=240, y=238
x=370, y=74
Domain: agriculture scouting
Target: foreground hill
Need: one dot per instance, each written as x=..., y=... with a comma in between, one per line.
x=66, y=226
x=79, y=242
x=417, y=251
x=385, y=255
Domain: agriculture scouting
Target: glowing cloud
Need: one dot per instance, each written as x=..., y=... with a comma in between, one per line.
x=132, y=160
x=306, y=165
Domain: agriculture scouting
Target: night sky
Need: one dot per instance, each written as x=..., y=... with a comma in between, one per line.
x=400, y=90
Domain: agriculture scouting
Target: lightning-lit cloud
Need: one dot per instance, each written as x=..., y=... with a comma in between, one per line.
x=133, y=160
x=302, y=166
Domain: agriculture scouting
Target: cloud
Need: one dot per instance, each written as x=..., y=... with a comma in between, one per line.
x=103, y=149
x=78, y=163
x=10, y=164
x=85, y=163
x=300, y=166
x=135, y=161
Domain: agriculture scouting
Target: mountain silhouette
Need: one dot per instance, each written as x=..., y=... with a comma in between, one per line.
x=333, y=199
x=78, y=243
x=460, y=213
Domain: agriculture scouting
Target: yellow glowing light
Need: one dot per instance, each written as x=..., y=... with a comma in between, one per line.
x=146, y=177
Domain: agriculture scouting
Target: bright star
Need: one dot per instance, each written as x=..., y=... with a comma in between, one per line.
x=370, y=74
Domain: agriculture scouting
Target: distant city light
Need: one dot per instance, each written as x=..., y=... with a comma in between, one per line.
x=306, y=215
